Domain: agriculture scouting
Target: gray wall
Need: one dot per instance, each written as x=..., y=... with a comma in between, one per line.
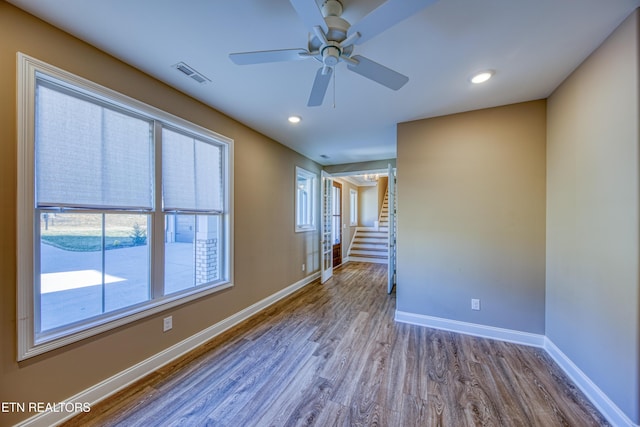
x=471, y=216
x=592, y=305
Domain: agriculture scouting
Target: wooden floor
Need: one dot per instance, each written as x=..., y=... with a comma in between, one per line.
x=332, y=355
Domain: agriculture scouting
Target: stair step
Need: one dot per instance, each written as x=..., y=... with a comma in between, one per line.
x=370, y=247
x=368, y=255
x=379, y=236
x=369, y=233
x=372, y=244
x=359, y=241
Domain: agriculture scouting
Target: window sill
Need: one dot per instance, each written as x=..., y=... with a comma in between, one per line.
x=305, y=230
x=53, y=340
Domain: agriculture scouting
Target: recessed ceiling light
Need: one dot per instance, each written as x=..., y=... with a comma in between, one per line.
x=481, y=77
x=294, y=119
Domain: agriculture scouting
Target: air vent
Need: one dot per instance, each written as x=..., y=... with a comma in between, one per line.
x=198, y=78
x=191, y=72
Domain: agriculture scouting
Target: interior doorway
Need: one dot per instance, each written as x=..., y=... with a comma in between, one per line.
x=360, y=218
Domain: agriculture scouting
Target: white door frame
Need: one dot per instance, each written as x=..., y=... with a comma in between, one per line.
x=326, y=217
x=391, y=270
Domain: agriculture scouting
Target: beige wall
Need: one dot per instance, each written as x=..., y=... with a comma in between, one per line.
x=268, y=253
x=471, y=216
x=367, y=206
x=593, y=288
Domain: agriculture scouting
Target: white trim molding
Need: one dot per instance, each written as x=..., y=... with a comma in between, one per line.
x=598, y=398
x=112, y=385
x=509, y=335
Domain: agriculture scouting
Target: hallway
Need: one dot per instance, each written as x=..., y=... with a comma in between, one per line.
x=333, y=355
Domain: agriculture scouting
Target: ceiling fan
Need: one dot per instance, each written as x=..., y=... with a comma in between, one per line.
x=333, y=40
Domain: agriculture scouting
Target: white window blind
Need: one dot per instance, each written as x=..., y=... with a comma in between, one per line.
x=192, y=173
x=89, y=155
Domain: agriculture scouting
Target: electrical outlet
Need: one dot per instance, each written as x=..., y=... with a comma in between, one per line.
x=167, y=324
x=303, y=267
x=475, y=304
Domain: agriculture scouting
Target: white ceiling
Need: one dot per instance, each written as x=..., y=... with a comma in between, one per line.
x=533, y=45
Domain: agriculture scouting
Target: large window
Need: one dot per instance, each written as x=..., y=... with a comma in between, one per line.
x=124, y=210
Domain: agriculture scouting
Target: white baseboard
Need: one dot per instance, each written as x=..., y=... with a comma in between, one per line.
x=598, y=398
x=601, y=401
x=510, y=335
x=121, y=380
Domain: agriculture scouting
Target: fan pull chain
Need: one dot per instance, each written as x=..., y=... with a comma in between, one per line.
x=334, y=87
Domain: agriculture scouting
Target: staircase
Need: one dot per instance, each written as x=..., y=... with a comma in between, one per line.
x=371, y=244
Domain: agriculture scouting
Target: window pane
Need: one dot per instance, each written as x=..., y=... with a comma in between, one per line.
x=192, y=251
x=71, y=268
x=88, y=155
x=337, y=234
x=91, y=264
x=126, y=260
x=336, y=202
x=192, y=173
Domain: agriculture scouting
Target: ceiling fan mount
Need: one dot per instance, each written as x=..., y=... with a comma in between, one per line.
x=331, y=8
x=329, y=47
x=333, y=40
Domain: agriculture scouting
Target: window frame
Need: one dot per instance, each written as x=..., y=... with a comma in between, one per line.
x=28, y=70
x=353, y=207
x=310, y=202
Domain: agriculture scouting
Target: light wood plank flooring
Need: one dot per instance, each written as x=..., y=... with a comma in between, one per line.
x=332, y=355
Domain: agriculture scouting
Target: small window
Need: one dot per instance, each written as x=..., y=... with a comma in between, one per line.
x=353, y=207
x=305, y=199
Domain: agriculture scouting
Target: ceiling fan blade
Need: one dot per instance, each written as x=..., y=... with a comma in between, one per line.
x=376, y=72
x=386, y=16
x=320, y=85
x=310, y=14
x=260, y=57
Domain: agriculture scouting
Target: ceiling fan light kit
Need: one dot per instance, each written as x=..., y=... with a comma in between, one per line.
x=333, y=41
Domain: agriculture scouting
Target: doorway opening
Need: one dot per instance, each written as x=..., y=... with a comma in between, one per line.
x=359, y=219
